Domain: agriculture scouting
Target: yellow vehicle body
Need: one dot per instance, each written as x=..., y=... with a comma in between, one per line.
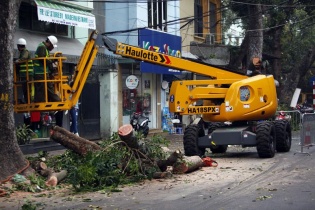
x=69, y=95
x=226, y=96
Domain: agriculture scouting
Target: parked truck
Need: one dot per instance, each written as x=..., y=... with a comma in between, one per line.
x=237, y=109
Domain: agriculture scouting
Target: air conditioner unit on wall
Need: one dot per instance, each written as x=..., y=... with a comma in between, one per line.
x=210, y=39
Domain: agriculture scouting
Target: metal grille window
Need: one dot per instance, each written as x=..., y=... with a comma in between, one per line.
x=198, y=18
x=157, y=14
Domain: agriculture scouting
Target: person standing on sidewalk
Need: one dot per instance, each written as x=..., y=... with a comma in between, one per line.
x=74, y=112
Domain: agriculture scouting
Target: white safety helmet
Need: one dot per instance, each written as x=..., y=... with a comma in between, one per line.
x=21, y=41
x=53, y=40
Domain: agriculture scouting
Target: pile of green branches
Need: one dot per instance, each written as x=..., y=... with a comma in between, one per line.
x=115, y=164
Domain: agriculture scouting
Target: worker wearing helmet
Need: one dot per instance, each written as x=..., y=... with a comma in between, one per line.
x=41, y=73
x=24, y=66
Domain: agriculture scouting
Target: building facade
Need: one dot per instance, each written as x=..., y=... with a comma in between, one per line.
x=121, y=86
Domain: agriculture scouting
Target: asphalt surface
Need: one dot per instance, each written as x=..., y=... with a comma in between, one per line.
x=242, y=180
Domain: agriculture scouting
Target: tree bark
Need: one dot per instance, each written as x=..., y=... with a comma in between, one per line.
x=125, y=133
x=55, y=178
x=73, y=142
x=170, y=161
x=38, y=166
x=255, y=34
x=187, y=164
x=12, y=159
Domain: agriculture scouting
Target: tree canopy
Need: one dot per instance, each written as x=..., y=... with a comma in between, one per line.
x=288, y=39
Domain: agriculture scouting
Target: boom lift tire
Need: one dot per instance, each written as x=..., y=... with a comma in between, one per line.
x=216, y=148
x=283, y=135
x=266, y=139
x=191, y=134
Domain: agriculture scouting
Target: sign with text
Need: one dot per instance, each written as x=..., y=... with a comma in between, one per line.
x=161, y=42
x=65, y=17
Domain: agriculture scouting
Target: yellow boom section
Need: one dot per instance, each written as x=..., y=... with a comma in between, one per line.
x=69, y=95
x=174, y=62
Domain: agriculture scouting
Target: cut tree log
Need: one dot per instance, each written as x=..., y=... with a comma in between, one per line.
x=162, y=175
x=38, y=165
x=125, y=133
x=170, y=161
x=73, y=142
x=55, y=178
x=46, y=172
x=187, y=164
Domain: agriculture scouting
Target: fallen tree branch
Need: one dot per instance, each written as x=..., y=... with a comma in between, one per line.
x=73, y=142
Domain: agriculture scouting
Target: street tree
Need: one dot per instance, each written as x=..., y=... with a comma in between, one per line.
x=288, y=39
x=12, y=159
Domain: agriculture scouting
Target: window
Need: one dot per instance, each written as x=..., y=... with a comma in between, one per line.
x=28, y=20
x=213, y=18
x=157, y=14
x=198, y=18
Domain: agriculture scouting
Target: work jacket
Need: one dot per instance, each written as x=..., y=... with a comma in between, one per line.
x=41, y=52
x=25, y=63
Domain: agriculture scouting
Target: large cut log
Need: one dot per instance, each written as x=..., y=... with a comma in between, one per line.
x=170, y=161
x=187, y=164
x=55, y=178
x=125, y=133
x=73, y=142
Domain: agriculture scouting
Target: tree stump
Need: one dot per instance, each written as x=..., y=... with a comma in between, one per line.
x=73, y=142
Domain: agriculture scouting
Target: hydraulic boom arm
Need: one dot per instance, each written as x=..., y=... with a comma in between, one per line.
x=226, y=96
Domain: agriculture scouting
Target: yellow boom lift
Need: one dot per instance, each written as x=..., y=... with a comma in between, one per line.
x=237, y=109
x=69, y=94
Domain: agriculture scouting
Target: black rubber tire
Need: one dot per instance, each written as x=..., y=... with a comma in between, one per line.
x=191, y=134
x=217, y=148
x=283, y=135
x=266, y=139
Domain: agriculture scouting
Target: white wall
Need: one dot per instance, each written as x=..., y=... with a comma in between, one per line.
x=82, y=34
x=109, y=107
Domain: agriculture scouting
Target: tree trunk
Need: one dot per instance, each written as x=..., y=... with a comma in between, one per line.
x=255, y=34
x=295, y=76
x=73, y=142
x=12, y=159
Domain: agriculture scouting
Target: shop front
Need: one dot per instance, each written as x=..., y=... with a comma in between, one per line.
x=140, y=94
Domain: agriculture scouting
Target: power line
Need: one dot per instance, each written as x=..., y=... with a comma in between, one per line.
x=272, y=5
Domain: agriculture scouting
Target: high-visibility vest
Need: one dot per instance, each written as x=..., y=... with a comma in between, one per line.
x=39, y=64
x=26, y=66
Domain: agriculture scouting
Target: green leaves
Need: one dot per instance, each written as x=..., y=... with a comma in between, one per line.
x=114, y=165
x=23, y=134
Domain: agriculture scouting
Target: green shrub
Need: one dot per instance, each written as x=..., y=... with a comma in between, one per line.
x=24, y=134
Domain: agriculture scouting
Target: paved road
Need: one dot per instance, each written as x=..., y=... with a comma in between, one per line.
x=241, y=181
